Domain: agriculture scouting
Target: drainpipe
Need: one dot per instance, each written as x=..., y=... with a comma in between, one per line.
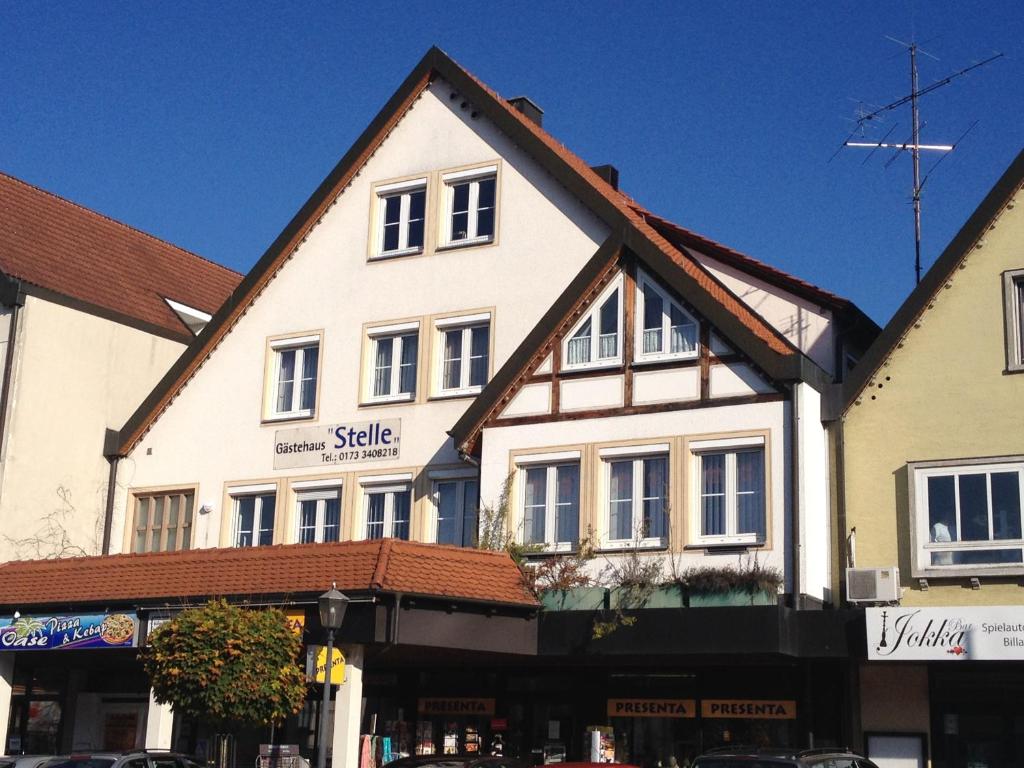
x=110, y=451
x=17, y=301
x=794, y=471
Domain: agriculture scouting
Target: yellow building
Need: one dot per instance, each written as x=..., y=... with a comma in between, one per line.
x=929, y=450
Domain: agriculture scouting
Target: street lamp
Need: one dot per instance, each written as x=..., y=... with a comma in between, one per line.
x=332, y=605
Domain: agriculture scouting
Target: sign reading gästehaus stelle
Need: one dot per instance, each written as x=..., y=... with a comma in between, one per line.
x=335, y=444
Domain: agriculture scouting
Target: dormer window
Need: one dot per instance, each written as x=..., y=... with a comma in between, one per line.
x=470, y=204
x=401, y=215
x=596, y=340
x=666, y=330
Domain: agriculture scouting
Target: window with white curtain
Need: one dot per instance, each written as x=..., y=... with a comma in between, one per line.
x=386, y=509
x=637, y=493
x=394, y=354
x=464, y=351
x=319, y=515
x=731, y=494
x=456, y=501
x=664, y=329
x=551, y=504
x=296, y=364
x=254, y=519
x=596, y=339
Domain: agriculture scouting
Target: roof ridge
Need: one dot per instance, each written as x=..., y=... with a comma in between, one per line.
x=99, y=215
x=381, y=569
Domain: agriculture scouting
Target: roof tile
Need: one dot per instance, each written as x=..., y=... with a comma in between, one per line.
x=63, y=247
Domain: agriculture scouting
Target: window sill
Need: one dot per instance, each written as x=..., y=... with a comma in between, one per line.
x=1010, y=371
x=403, y=400
x=395, y=254
x=454, y=246
x=601, y=365
x=640, y=360
x=549, y=550
x=647, y=545
x=457, y=393
x=282, y=418
x=724, y=547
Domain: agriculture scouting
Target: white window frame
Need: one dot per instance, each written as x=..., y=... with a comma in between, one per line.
x=636, y=454
x=551, y=465
x=466, y=324
x=639, y=355
x=472, y=176
x=923, y=547
x=1013, y=312
x=730, y=447
x=298, y=344
x=321, y=495
x=388, y=485
x=398, y=333
x=460, y=481
x=404, y=190
x=593, y=314
x=258, y=492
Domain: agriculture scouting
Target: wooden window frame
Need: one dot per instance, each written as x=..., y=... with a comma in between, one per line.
x=183, y=540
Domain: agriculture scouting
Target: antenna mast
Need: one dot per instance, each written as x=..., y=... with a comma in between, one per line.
x=914, y=146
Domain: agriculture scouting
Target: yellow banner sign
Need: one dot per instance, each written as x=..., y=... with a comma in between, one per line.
x=652, y=708
x=337, y=667
x=297, y=621
x=456, y=706
x=748, y=709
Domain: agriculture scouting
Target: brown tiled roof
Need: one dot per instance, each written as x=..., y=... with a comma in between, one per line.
x=60, y=246
x=387, y=565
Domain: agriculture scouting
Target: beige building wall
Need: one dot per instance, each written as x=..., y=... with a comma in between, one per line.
x=75, y=375
x=942, y=394
x=212, y=436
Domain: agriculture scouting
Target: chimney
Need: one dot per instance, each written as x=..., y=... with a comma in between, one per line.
x=609, y=173
x=526, y=105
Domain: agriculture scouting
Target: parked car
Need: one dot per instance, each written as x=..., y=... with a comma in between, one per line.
x=755, y=757
x=457, y=761
x=143, y=758
x=24, y=761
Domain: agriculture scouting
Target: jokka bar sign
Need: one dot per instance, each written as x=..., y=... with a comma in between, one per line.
x=48, y=633
x=954, y=633
x=337, y=444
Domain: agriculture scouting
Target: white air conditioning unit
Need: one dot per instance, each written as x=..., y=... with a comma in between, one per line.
x=873, y=585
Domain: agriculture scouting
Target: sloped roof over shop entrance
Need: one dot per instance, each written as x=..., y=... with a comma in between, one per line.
x=388, y=565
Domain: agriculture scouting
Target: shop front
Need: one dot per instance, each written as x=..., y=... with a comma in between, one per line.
x=73, y=682
x=944, y=685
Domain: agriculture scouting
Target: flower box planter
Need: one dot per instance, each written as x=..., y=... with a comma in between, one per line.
x=735, y=597
x=664, y=596
x=575, y=599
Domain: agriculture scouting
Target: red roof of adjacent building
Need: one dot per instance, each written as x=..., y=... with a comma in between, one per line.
x=60, y=246
x=387, y=565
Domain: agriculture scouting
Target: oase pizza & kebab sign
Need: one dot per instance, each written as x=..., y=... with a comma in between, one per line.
x=48, y=633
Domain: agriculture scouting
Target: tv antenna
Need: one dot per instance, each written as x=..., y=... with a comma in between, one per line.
x=913, y=144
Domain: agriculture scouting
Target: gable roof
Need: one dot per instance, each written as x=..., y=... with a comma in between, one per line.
x=59, y=249
x=382, y=565
x=934, y=279
x=763, y=343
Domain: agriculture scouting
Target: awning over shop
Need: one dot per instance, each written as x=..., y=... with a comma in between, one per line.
x=383, y=566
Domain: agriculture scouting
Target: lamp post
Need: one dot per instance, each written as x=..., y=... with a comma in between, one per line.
x=332, y=605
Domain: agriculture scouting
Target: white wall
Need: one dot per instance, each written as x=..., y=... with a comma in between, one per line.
x=815, y=522
x=501, y=443
x=75, y=375
x=212, y=433
x=804, y=323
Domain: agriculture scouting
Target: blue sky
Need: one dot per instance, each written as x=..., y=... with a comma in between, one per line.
x=209, y=124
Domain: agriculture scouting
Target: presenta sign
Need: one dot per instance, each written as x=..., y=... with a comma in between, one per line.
x=334, y=444
x=47, y=633
x=675, y=708
x=954, y=633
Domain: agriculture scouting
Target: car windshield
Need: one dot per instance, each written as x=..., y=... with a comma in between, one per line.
x=80, y=762
x=741, y=762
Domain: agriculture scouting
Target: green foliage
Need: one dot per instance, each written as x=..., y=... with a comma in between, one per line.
x=748, y=575
x=563, y=571
x=227, y=664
